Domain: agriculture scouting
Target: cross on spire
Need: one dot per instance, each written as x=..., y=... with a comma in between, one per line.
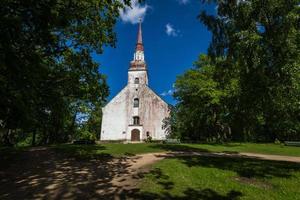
x=139, y=44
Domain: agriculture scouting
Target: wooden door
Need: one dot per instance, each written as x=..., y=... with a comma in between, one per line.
x=135, y=135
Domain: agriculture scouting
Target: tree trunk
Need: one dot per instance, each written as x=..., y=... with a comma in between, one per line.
x=33, y=138
x=6, y=139
x=72, y=126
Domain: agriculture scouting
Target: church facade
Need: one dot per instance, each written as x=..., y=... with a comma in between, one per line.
x=136, y=112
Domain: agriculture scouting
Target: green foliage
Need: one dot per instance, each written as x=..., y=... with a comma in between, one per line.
x=148, y=139
x=248, y=86
x=86, y=135
x=46, y=69
x=94, y=122
x=202, y=93
x=171, y=123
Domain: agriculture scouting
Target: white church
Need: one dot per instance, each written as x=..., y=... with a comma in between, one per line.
x=136, y=113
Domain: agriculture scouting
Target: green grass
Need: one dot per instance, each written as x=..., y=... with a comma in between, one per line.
x=118, y=150
x=269, y=148
x=200, y=177
x=106, y=150
x=221, y=178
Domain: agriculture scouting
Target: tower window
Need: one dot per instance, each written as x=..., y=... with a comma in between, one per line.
x=136, y=120
x=136, y=80
x=136, y=103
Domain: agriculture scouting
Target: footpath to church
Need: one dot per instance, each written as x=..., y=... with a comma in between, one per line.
x=140, y=163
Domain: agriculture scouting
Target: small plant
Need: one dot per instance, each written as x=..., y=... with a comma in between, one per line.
x=277, y=141
x=85, y=137
x=148, y=139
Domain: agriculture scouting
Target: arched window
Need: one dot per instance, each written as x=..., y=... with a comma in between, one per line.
x=136, y=120
x=136, y=80
x=136, y=103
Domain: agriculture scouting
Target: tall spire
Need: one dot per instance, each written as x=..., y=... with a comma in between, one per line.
x=138, y=62
x=139, y=44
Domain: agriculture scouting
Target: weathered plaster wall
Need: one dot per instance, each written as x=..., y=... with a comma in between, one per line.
x=114, y=121
x=153, y=111
x=117, y=122
x=142, y=75
x=118, y=114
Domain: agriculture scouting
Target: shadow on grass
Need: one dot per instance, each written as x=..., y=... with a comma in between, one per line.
x=47, y=173
x=243, y=166
x=248, y=170
x=179, y=147
x=57, y=173
x=223, y=144
x=53, y=173
x=167, y=185
x=83, y=151
x=189, y=193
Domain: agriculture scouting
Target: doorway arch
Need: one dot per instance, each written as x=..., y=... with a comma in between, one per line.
x=135, y=135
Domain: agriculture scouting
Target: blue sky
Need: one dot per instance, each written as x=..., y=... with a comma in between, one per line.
x=173, y=38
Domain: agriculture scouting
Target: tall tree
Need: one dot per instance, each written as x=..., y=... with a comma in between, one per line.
x=46, y=64
x=255, y=44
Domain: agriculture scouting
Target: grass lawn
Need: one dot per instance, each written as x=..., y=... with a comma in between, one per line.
x=180, y=177
x=221, y=178
x=132, y=149
x=269, y=148
x=109, y=150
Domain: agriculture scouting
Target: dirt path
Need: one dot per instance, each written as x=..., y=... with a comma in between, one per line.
x=137, y=165
x=273, y=157
x=140, y=164
x=42, y=173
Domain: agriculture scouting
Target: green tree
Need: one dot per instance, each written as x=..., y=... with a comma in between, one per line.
x=252, y=81
x=46, y=65
x=202, y=94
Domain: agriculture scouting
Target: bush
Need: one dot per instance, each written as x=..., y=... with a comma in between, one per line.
x=277, y=141
x=86, y=135
x=148, y=139
x=84, y=141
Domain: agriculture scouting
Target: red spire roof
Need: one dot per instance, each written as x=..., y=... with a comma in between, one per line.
x=139, y=44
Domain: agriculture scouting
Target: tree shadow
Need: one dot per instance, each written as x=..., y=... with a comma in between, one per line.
x=189, y=193
x=244, y=166
x=225, y=144
x=45, y=173
x=49, y=174
x=84, y=152
x=179, y=147
x=167, y=185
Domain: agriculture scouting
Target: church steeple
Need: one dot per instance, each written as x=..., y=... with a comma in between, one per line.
x=138, y=62
x=139, y=44
x=137, y=72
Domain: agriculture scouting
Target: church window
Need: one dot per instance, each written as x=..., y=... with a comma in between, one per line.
x=136, y=103
x=136, y=80
x=148, y=134
x=136, y=120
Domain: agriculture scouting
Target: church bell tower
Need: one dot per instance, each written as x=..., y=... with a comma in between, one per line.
x=136, y=113
x=137, y=73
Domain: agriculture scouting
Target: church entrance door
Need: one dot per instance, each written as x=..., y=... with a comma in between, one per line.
x=135, y=135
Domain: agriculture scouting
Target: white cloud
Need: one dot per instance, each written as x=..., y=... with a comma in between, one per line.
x=134, y=13
x=170, y=31
x=167, y=93
x=183, y=1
